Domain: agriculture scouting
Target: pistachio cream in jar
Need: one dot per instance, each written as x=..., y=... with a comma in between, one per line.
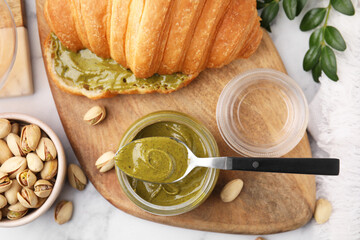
x=186, y=194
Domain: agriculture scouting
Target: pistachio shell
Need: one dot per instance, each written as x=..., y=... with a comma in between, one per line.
x=27, y=198
x=3, y=201
x=5, y=127
x=34, y=162
x=13, y=142
x=5, y=182
x=46, y=149
x=95, y=115
x=43, y=188
x=63, y=212
x=13, y=166
x=26, y=178
x=15, y=128
x=16, y=211
x=49, y=170
x=30, y=137
x=5, y=152
x=105, y=162
x=11, y=194
x=41, y=201
x=76, y=177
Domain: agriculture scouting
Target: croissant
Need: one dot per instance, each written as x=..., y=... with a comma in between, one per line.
x=158, y=36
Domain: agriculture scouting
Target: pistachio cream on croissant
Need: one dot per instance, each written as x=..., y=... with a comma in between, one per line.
x=160, y=46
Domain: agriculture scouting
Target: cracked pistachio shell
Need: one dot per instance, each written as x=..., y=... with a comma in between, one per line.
x=13, y=166
x=15, y=128
x=5, y=127
x=34, y=162
x=46, y=149
x=16, y=211
x=26, y=178
x=76, y=177
x=43, y=188
x=3, y=201
x=13, y=142
x=63, y=212
x=27, y=198
x=30, y=137
x=5, y=152
x=49, y=170
x=105, y=162
x=95, y=115
x=11, y=193
x=5, y=182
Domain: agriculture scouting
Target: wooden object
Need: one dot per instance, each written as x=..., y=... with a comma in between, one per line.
x=268, y=203
x=19, y=81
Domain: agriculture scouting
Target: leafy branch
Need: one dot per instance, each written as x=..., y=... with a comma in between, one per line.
x=320, y=57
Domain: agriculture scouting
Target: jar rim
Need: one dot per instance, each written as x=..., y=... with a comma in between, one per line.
x=293, y=130
x=211, y=174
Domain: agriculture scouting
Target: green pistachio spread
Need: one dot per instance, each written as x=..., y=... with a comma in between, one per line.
x=86, y=70
x=153, y=159
x=183, y=190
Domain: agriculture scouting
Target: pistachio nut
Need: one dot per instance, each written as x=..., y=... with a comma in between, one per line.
x=76, y=177
x=5, y=127
x=95, y=115
x=43, y=188
x=5, y=152
x=15, y=128
x=41, y=201
x=3, y=201
x=13, y=166
x=16, y=211
x=30, y=137
x=63, y=211
x=49, y=170
x=11, y=193
x=5, y=182
x=34, y=162
x=26, y=178
x=13, y=142
x=27, y=198
x=105, y=162
x=46, y=149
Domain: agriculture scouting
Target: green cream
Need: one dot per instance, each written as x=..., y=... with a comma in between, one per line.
x=183, y=190
x=153, y=159
x=86, y=70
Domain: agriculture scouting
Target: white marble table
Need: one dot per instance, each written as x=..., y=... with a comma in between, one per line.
x=94, y=217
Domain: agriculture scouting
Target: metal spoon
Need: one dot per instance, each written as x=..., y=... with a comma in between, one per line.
x=316, y=166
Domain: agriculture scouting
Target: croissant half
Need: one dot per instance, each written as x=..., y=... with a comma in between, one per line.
x=158, y=36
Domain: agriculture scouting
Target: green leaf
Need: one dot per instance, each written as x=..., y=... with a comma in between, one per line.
x=311, y=58
x=290, y=8
x=300, y=6
x=312, y=19
x=260, y=5
x=328, y=63
x=344, y=6
x=334, y=39
x=316, y=72
x=316, y=37
x=268, y=14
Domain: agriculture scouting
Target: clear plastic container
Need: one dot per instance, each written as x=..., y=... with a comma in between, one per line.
x=262, y=113
x=210, y=176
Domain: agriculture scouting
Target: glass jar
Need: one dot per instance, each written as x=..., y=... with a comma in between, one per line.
x=210, y=176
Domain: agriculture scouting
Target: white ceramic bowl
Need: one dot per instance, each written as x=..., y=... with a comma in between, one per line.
x=60, y=177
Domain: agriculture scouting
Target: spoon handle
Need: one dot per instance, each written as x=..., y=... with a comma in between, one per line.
x=317, y=166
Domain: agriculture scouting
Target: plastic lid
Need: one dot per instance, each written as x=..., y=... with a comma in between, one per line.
x=262, y=113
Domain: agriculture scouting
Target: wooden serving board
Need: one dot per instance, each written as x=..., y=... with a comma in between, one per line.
x=268, y=203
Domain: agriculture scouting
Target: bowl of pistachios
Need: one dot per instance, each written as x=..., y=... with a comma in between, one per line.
x=32, y=168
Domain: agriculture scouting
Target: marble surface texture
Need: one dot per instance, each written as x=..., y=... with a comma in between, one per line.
x=94, y=217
